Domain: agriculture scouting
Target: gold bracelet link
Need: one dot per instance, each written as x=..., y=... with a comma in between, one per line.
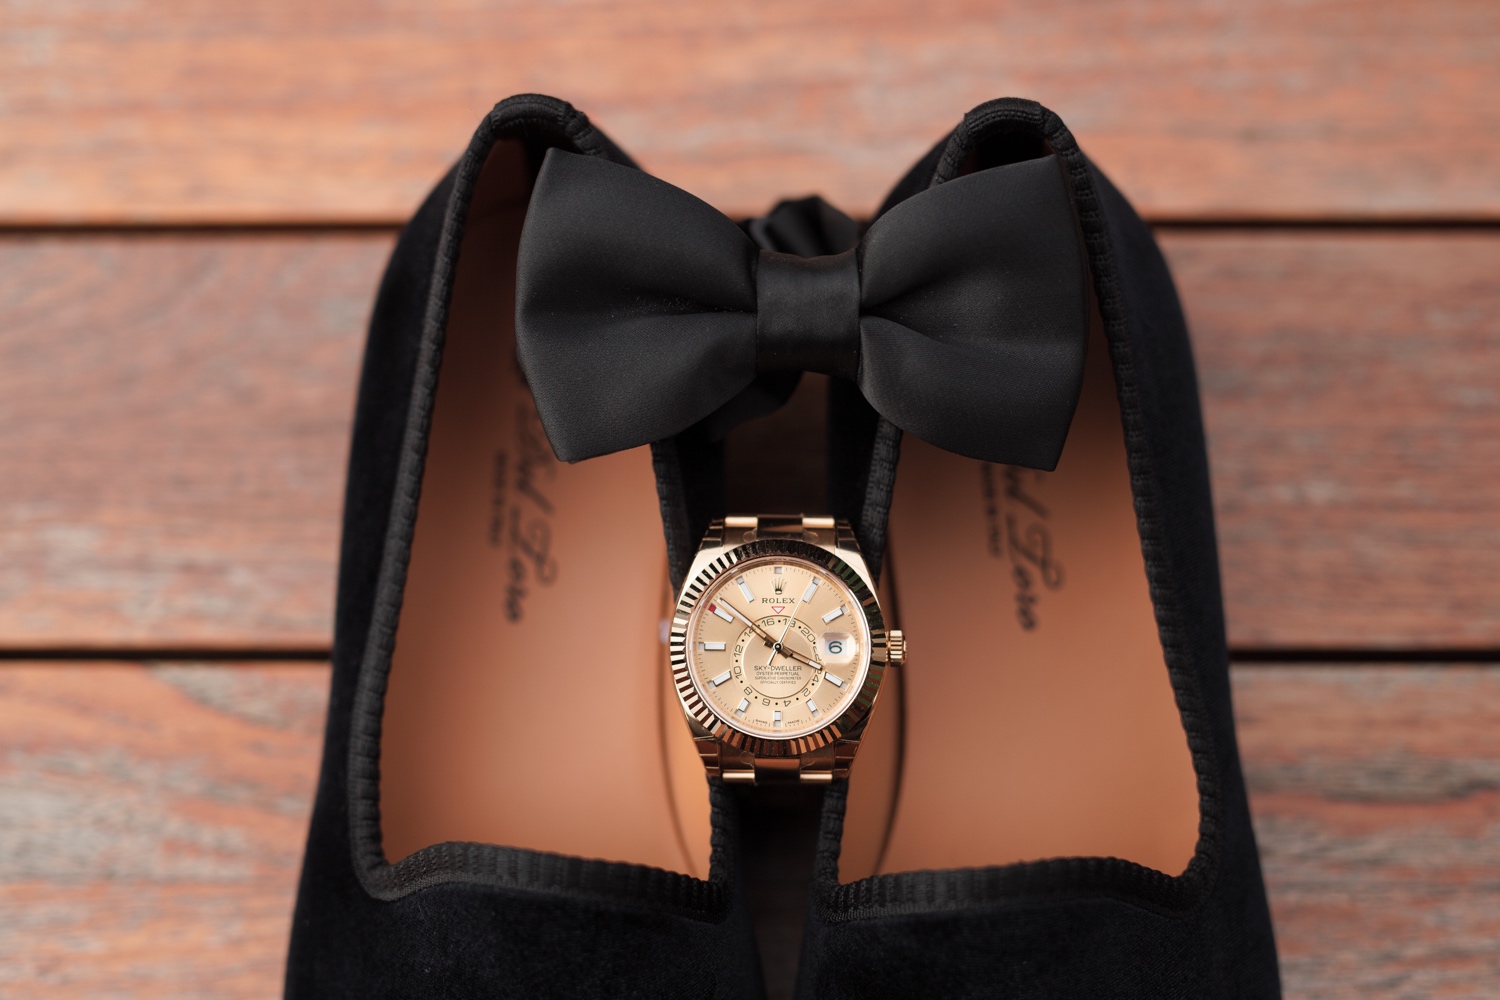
x=820, y=766
x=814, y=530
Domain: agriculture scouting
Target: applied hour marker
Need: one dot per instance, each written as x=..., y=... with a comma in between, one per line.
x=812, y=588
x=834, y=613
x=721, y=612
x=775, y=718
x=833, y=679
x=721, y=678
x=812, y=706
x=711, y=647
x=744, y=704
x=745, y=589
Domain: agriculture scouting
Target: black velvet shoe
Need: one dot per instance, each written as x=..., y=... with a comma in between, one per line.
x=492, y=816
x=1072, y=818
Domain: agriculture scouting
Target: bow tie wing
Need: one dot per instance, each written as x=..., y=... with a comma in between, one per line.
x=635, y=306
x=975, y=314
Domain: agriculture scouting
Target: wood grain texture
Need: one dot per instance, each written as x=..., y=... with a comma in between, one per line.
x=152, y=819
x=174, y=416
x=207, y=110
x=1376, y=793
x=1352, y=398
x=151, y=825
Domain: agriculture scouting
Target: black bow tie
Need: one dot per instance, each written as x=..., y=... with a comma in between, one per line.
x=962, y=314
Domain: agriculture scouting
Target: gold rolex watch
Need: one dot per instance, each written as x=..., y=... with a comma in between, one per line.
x=778, y=648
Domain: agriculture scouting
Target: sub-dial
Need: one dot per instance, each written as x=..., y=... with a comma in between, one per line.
x=769, y=685
x=776, y=674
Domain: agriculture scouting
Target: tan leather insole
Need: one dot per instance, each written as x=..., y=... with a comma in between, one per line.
x=523, y=708
x=1040, y=721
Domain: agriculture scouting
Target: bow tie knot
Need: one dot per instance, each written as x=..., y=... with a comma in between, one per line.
x=962, y=314
x=807, y=314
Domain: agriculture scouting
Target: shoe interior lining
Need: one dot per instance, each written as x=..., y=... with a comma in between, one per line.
x=1040, y=721
x=523, y=706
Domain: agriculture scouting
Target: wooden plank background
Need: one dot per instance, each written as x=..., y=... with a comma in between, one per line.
x=178, y=110
x=196, y=197
x=1352, y=414
x=153, y=830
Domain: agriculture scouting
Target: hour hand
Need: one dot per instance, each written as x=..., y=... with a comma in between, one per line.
x=800, y=658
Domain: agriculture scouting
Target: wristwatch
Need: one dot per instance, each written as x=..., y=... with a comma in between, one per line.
x=778, y=647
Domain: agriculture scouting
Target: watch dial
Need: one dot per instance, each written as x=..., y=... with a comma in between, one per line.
x=778, y=647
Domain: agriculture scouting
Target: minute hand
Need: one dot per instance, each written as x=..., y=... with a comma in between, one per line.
x=770, y=641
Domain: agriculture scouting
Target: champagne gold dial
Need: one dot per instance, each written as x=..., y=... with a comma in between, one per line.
x=778, y=647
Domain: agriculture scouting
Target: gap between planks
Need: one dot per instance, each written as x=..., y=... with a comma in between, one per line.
x=308, y=227
x=1246, y=658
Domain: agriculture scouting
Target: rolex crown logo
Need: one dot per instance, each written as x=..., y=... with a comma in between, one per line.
x=778, y=584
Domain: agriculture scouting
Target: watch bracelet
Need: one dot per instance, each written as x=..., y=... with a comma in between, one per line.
x=821, y=765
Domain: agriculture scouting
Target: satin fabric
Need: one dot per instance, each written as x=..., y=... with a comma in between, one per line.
x=961, y=315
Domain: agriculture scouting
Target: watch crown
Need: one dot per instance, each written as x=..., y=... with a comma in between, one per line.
x=895, y=645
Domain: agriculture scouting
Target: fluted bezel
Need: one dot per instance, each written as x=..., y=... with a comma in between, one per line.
x=698, y=707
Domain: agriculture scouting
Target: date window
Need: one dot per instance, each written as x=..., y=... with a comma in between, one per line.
x=837, y=647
